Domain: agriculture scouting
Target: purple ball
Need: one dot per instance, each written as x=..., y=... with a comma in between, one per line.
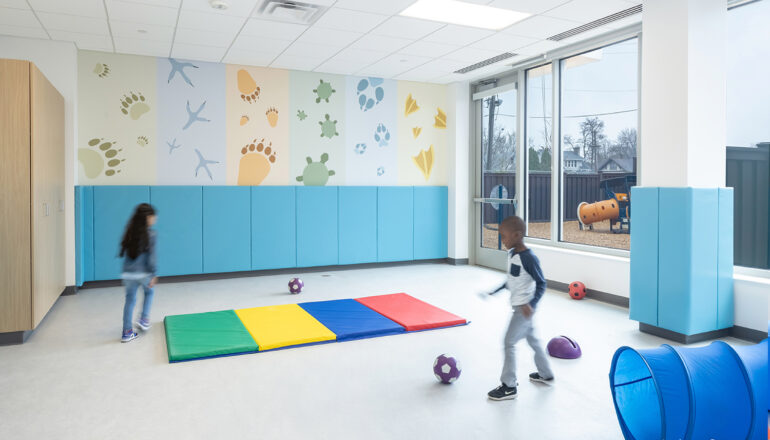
x=446, y=369
x=296, y=285
x=564, y=348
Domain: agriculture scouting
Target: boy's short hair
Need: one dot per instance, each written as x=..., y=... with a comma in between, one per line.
x=513, y=223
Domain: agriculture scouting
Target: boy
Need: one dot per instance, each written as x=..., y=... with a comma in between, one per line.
x=527, y=285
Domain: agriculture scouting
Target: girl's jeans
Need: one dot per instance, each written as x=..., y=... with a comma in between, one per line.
x=128, y=310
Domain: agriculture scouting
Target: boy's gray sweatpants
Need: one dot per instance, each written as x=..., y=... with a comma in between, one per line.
x=520, y=328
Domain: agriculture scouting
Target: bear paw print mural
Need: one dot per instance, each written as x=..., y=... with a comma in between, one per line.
x=142, y=141
x=256, y=162
x=134, y=105
x=247, y=86
x=323, y=91
x=328, y=127
x=244, y=120
x=272, y=116
x=101, y=70
x=104, y=158
x=316, y=173
x=382, y=135
x=369, y=92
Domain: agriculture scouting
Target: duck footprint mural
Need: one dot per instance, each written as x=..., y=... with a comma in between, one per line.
x=134, y=105
x=382, y=136
x=369, y=92
x=104, y=158
x=316, y=173
x=256, y=162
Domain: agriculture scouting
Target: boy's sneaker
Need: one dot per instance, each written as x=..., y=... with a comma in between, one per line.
x=503, y=392
x=535, y=377
x=144, y=324
x=129, y=336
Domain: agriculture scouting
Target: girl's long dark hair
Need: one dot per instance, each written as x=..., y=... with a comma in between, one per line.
x=136, y=239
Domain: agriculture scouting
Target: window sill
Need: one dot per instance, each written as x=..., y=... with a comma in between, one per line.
x=579, y=248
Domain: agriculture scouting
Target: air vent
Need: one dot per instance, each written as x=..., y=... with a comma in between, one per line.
x=597, y=23
x=486, y=62
x=289, y=11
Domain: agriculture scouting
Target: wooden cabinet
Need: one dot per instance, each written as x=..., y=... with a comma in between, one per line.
x=31, y=196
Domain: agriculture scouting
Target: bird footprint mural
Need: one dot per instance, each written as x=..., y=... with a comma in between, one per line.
x=134, y=105
x=369, y=92
x=100, y=157
x=204, y=163
x=178, y=67
x=193, y=116
x=172, y=146
x=316, y=173
x=256, y=161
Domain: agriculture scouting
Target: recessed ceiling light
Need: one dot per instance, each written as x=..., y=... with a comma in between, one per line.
x=220, y=5
x=141, y=31
x=466, y=14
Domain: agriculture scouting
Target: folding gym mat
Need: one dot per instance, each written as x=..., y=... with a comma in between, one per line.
x=410, y=312
x=349, y=319
x=283, y=326
x=210, y=334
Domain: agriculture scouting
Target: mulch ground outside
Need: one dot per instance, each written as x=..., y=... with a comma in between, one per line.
x=599, y=236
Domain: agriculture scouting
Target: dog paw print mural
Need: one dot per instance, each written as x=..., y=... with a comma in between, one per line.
x=370, y=92
x=134, y=105
x=323, y=91
x=316, y=173
x=360, y=148
x=328, y=127
x=100, y=157
x=256, y=161
x=247, y=86
x=382, y=135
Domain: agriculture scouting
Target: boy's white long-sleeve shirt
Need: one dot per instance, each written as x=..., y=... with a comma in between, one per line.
x=525, y=278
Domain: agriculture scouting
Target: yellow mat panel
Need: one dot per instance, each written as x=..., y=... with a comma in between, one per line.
x=283, y=326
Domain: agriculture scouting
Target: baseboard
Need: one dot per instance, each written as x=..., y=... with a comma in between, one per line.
x=14, y=338
x=457, y=261
x=256, y=273
x=598, y=295
x=747, y=334
x=682, y=338
x=69, y=290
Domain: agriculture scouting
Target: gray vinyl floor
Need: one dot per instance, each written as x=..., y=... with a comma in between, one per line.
x=73, y=379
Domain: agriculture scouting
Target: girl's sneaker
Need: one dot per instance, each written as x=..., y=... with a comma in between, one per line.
x=143, y=324
x=129, y=336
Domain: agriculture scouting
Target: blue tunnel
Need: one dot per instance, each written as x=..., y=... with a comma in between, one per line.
x=671, y=393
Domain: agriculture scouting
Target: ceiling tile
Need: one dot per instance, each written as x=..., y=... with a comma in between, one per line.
x=84, y=41
x=141, y=13
x=273, y=29
x=167, y=3
x=142, y=47
x=503, y=42
x=540, y=26
x=442, y=66
x=458, y=35
x=454, y=77
x=131, y=30
x=21, y=31
x=249, y=43
x=428, y=49
x=407, y=27
x=296, y=63
x=586, y=11
x=364, y=56
x=348, y=20
x=18, y=17
x=238, y=8
x=394, y=65
x=381, y=43
x=73, y=23
x=204, y=38
x=249, y=58
x=389, y=7
x=86, y=8
x=328, y=36
x=196, y=52
x=538, y=48
x=416, y=76
x=529, y=6
x=311, y=50
x=16, y=4
x=471, y=55
x=342, y=67
x=209, y=21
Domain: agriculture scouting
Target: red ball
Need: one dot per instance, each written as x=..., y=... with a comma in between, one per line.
x=577, y=290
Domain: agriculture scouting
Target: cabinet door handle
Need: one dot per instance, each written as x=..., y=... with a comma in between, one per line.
x=46, y=209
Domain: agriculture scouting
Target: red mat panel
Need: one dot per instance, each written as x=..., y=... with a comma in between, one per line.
x=410, y=312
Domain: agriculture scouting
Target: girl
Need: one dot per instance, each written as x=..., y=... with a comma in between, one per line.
x=139, y=268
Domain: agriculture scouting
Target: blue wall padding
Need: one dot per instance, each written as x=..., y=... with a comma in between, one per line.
x=430, y=235
x=180, y=229
x=317, y=241
x=273, y=227
x=84, y=234
x=676, y=392
x=349, y=319
x=395, y=220
x=725, y=305
x=113, y=207
x=643, y=301
x=358, y=224
x=226, y=228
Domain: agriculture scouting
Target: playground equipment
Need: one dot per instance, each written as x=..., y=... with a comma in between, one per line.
x=616, y=208
x=712, y=392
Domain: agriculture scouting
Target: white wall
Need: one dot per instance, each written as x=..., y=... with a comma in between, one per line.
x=58, y=62
x=458, y=96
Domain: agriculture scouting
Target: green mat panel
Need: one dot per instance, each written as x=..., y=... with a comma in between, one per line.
x=203, y=335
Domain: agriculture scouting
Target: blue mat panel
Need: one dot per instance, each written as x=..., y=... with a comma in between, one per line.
x=180, y=229
x=226, y=229
x=113, y=207
x=349, y=319
x=358, y=224
x=273, y=227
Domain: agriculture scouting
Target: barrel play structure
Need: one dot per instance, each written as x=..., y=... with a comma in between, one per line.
x=712, y=392
x=595, y=212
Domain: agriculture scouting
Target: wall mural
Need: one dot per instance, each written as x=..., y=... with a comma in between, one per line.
x=168, y=121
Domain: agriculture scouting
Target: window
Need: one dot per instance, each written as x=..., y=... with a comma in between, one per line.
x=598, y=121
x=748, y=131
x=498, y=162
x=539, y=143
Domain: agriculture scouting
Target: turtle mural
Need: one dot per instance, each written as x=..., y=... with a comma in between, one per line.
x=316, y=173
